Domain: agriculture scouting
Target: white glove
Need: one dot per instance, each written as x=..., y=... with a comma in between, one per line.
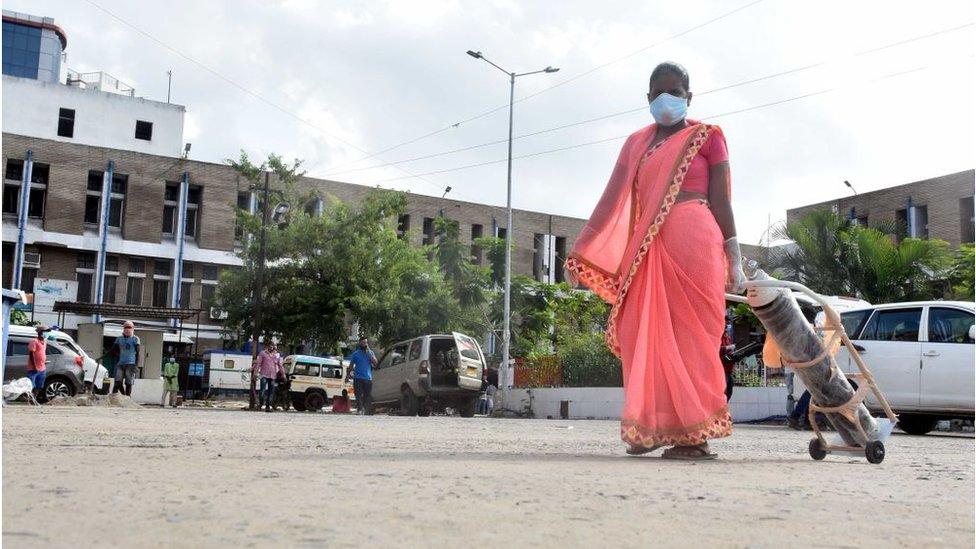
x=737, y=277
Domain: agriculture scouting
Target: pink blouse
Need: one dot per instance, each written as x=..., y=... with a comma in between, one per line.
x=713, y=152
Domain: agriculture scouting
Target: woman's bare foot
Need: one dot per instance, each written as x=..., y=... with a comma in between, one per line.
x=697, y=452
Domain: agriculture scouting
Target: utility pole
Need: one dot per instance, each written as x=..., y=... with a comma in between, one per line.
x=169, y=83
x=259, y=292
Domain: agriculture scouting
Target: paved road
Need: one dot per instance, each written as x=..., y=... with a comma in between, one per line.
x=165, y=478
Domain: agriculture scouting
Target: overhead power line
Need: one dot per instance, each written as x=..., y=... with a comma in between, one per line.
x=710, y=117
x=544, y=90
x=643, y=108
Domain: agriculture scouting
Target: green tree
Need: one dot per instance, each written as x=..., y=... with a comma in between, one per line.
x=962, y=273
x=832, y=255
x=325, y=271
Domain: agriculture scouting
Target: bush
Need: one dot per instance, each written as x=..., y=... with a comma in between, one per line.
x=587, y=362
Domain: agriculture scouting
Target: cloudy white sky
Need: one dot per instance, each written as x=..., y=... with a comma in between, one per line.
x=366, y=76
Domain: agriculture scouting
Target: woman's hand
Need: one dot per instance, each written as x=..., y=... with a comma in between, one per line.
x=735, y=284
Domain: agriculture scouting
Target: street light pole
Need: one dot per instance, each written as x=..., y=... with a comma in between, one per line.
x=509, y=231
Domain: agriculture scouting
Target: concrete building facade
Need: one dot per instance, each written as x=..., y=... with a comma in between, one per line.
x=940, y=207
x=140, y=257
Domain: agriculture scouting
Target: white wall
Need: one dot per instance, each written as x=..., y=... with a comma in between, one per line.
x=748, y=403
x=102, y=119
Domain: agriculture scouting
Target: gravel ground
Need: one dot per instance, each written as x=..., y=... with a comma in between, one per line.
x=161, y=478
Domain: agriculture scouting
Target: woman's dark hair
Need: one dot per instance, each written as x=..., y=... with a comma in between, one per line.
x=673, y=68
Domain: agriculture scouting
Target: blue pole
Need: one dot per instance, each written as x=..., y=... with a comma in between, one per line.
x=25, y=183
x=180, y=235
x=103, y=232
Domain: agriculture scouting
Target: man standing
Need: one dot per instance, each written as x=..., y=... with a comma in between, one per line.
x=126, y=349
x=37, y=359
x=269, y=367
x=171, y=382
x=363, y=361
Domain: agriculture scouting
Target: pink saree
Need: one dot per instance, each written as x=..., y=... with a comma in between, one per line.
x=662, y=267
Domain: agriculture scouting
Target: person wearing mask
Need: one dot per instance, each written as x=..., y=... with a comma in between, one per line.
x=37, y=359
x=270, y=368
x=126, y=350
x=661, y=248
x=363, y=360
x=171, y=382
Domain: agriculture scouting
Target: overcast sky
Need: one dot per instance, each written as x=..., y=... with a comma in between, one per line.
x=369, y=75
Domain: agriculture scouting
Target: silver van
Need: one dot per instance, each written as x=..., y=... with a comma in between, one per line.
x=430, y=372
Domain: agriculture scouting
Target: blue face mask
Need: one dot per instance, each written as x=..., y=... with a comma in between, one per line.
x=668, y=109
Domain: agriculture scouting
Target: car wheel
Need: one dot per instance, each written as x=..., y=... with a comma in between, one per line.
x=57, y=387
x=917, y=425
x=467, y=408
x=314, y=401
x=298, y=402
x=408, y=402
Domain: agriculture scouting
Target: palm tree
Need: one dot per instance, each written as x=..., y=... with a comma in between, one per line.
x=833, y=255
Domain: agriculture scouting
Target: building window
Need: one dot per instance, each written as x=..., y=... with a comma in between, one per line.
x=967, y=219
x=21, y=50
x=108, y=290
x=207, y=294
x=144, y=130
x=185, y=288
x=133, y=293
x=85, y=260
x=187, y=270
x=27, y=277
x=137, y=265
x=921, y=225
x=38, y=188
x=901, y=219
x=112, y=264
x=171, y=202
x=66, y=123
x=93, y=199
x=209, y=273
x=84, y=286
x=862, y=220
x=160, y=293
x=428, y=231
x=476, y=233
x=501, y=232
x=192, y=210
x=161, y=267
x=244, y=205
x=560, y=259
x=403, y=226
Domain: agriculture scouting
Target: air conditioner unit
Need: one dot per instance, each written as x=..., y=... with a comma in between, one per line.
x=32, y=260
x=216, y=313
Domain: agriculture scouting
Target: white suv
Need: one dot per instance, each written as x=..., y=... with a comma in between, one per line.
x=921, y=354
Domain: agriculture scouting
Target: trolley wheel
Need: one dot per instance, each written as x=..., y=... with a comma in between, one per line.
x=875, y=451
x=817, y=451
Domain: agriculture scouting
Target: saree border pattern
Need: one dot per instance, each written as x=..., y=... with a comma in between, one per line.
x=603, y=285
x=719, y=425
x=697, y=141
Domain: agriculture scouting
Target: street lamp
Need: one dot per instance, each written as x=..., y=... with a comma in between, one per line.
x=506, y=330
x=849, y=186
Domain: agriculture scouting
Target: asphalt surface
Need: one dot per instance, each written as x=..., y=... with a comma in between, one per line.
x=151, y=477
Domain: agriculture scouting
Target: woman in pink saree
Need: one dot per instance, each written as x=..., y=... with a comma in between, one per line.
x=661, y=248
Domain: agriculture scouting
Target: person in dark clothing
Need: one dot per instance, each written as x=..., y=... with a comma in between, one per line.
x=728, y=347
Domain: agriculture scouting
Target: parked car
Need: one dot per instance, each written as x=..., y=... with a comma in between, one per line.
x=95, y=373
x=65, y=375
x=314, y=381
x=921, y=355
x=430, y=372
